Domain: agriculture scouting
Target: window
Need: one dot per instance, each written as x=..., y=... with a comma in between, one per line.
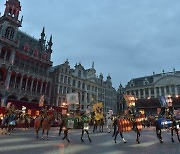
x=79, y=84
x=9, y=33
x=88, y=87
x=26, y=47
x=69, y=80
x=79, y=73
x=74, y=83
x=65, y=79
x=61, y=80
x=64, y=90
x=83, y=85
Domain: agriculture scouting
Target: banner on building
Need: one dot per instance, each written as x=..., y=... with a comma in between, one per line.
x=162, y=100
x=130, y=100
x=72, y=98
x=41, y=101
x=98, y=110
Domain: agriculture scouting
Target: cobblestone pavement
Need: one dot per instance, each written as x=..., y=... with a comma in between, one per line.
x=24, y=142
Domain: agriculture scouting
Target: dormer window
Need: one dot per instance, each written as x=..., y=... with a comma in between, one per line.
x=79, y=73
x=35, y=53
x=26, y=47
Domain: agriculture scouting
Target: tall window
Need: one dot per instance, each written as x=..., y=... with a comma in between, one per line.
x=9, y=33
x=83, y=85
x=79, y=84
x=74, y=83
x=79, y=73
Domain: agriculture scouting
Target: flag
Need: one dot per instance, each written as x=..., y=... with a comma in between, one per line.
x=8, y=105
x=98, y=109
x=162, y=100
x=41, y=101
x=72, y=98
x=3, y=102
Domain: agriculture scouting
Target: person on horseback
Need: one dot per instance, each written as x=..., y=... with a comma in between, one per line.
x=44, y=113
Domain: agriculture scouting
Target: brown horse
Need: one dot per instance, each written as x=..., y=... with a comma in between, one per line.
x=45, y=124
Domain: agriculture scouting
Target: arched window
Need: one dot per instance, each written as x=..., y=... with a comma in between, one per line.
x=83, y=85
x=44, y=55
x=26, y=47
x=9, y=33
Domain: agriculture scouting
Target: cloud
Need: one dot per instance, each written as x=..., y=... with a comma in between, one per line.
x=125, y=38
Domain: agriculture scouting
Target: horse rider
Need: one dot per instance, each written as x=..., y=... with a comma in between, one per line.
x=44, y=113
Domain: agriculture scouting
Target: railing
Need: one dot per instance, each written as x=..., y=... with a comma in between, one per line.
x=5, y=62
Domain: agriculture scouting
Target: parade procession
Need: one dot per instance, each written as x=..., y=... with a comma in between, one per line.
x=88, y=77
x=93, y=120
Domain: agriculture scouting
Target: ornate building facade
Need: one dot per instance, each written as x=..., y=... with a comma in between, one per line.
x=155, y=85
x=91, y=89
x=24, y=60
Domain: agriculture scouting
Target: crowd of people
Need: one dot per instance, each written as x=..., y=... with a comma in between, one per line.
x=107, y=124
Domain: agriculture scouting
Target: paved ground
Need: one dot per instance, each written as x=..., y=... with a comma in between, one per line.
x=24, y=142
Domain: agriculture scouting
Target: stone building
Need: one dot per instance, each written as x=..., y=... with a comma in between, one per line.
x=91, y=89
x=155, y=85
x=24, y=60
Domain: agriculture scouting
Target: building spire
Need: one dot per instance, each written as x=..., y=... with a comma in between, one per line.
x=50, y=43
x=93, y=65
x=43, y=33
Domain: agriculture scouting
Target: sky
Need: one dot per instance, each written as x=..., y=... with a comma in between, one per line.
x=125, y=38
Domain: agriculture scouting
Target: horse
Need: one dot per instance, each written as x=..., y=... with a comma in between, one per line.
x=45, y=124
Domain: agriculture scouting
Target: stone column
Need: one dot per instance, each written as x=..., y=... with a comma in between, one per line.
x=31, y=85
x=139, y=94
x=170, y=90
x=165, y=92
x=12, y=57
x=41, y=88
x=26, y=84
x=149, y=92
x=7, y=80
x=160, y=93
x=176, y=91
x=21, y=83
x=155, y=92
x=144, y=95
x=5, y=55
x=15, y=81
x=36, y=86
